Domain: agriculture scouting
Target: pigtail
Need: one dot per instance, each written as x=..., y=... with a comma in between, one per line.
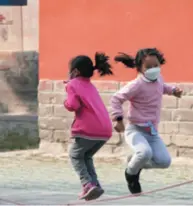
x=159, y=55
x=102, y=64
x=126, y=59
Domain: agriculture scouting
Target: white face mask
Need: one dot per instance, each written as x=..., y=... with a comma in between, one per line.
x=152, y=74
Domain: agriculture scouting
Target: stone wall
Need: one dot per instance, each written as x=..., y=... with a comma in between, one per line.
x=54, y=121
x=19, y=76
x=18, y=131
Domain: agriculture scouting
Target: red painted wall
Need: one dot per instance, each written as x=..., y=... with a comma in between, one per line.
x=72, y=27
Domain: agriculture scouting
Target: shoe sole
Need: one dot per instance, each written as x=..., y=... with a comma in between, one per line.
x=95, y=194
x=90, y=193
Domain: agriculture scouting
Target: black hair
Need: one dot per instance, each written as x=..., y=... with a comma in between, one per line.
x=137, y=62
x=86, y=67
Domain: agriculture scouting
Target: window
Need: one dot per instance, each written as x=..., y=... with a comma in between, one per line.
x=13, y=2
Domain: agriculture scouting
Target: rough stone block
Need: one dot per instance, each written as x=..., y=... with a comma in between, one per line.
x=170, y=127
x=122, y=84
x=182, y=115
x=106, y=98
x=166, y=115
x=54, y=148
x=55, y=123
x=60, y=111
x=186, y=152
x=106, y=86
x=58, y=98
x=45, y=110
x=186, y=102
x=46, y=135
x=186, y=128
x=182, y=140
x=61, y=136
x=161, y=128
x=187, y=88
x=59, y=86
x=169, y=102
x=166, y=138
x=115, y=139
x=45, y=97
x=45, y=85
x=173, y=150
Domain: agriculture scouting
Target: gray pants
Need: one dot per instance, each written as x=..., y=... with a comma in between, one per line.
x=81, y=155
x=149, y=150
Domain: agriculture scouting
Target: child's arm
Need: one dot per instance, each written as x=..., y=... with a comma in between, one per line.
x=72, y=103
x=124, y=94
x=168, y=89
x=172, y=90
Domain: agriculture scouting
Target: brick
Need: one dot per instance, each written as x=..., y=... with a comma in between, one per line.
x=182, y=115
x=60, y=111
x=166, y=138
x=186, y=102
x=187, y=88
x=45, y=97
x=171, y=127
x=169, y=102
x=59, y=86
x=122, y=84
x=45, y=85
x=54, y=148
x=161, y=127
x=61, y=136
x=45, y=110
x=166, y=115
x=56, y=123
x=182, y=140
x=58, y=98
x=115, y=139
x=186, y=128
x=173, y=150
x=106, y=98
x=46, y=134
x=186, y=152
x=106, y=86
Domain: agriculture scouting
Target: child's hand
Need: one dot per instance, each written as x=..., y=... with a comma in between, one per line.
x=177, y=92
x=119, y=126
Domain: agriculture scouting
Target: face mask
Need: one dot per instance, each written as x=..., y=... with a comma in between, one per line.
x=152, y=74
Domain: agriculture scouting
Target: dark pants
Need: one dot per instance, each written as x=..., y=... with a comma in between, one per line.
x=81, y=155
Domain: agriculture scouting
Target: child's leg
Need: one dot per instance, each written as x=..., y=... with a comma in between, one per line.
x=77, y=157
x=89, y=160
x=90, y=166
x=142, y=154
x=142, y=150
x=161, y=157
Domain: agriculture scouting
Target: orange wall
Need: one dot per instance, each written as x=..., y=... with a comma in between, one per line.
x=72, y=27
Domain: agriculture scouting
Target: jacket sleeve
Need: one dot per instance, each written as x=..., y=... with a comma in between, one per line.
x=168, y=89
x=72, y=102
x=124, y=94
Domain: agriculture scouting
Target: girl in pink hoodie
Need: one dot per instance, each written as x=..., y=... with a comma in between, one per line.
x=92, y=125
x=144, y=95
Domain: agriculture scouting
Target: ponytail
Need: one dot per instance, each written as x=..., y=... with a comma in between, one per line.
x=102, y=64
x=127, y=60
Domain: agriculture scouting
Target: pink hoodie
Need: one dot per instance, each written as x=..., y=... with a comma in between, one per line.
x=92, y=120
x=145, y=99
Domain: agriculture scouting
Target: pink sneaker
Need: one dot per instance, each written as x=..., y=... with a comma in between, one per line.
x=89, y=192
x=95, y=195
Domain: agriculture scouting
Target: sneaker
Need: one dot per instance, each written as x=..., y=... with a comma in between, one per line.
x=133, y=182
x=90, y=191
x=97, y=194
